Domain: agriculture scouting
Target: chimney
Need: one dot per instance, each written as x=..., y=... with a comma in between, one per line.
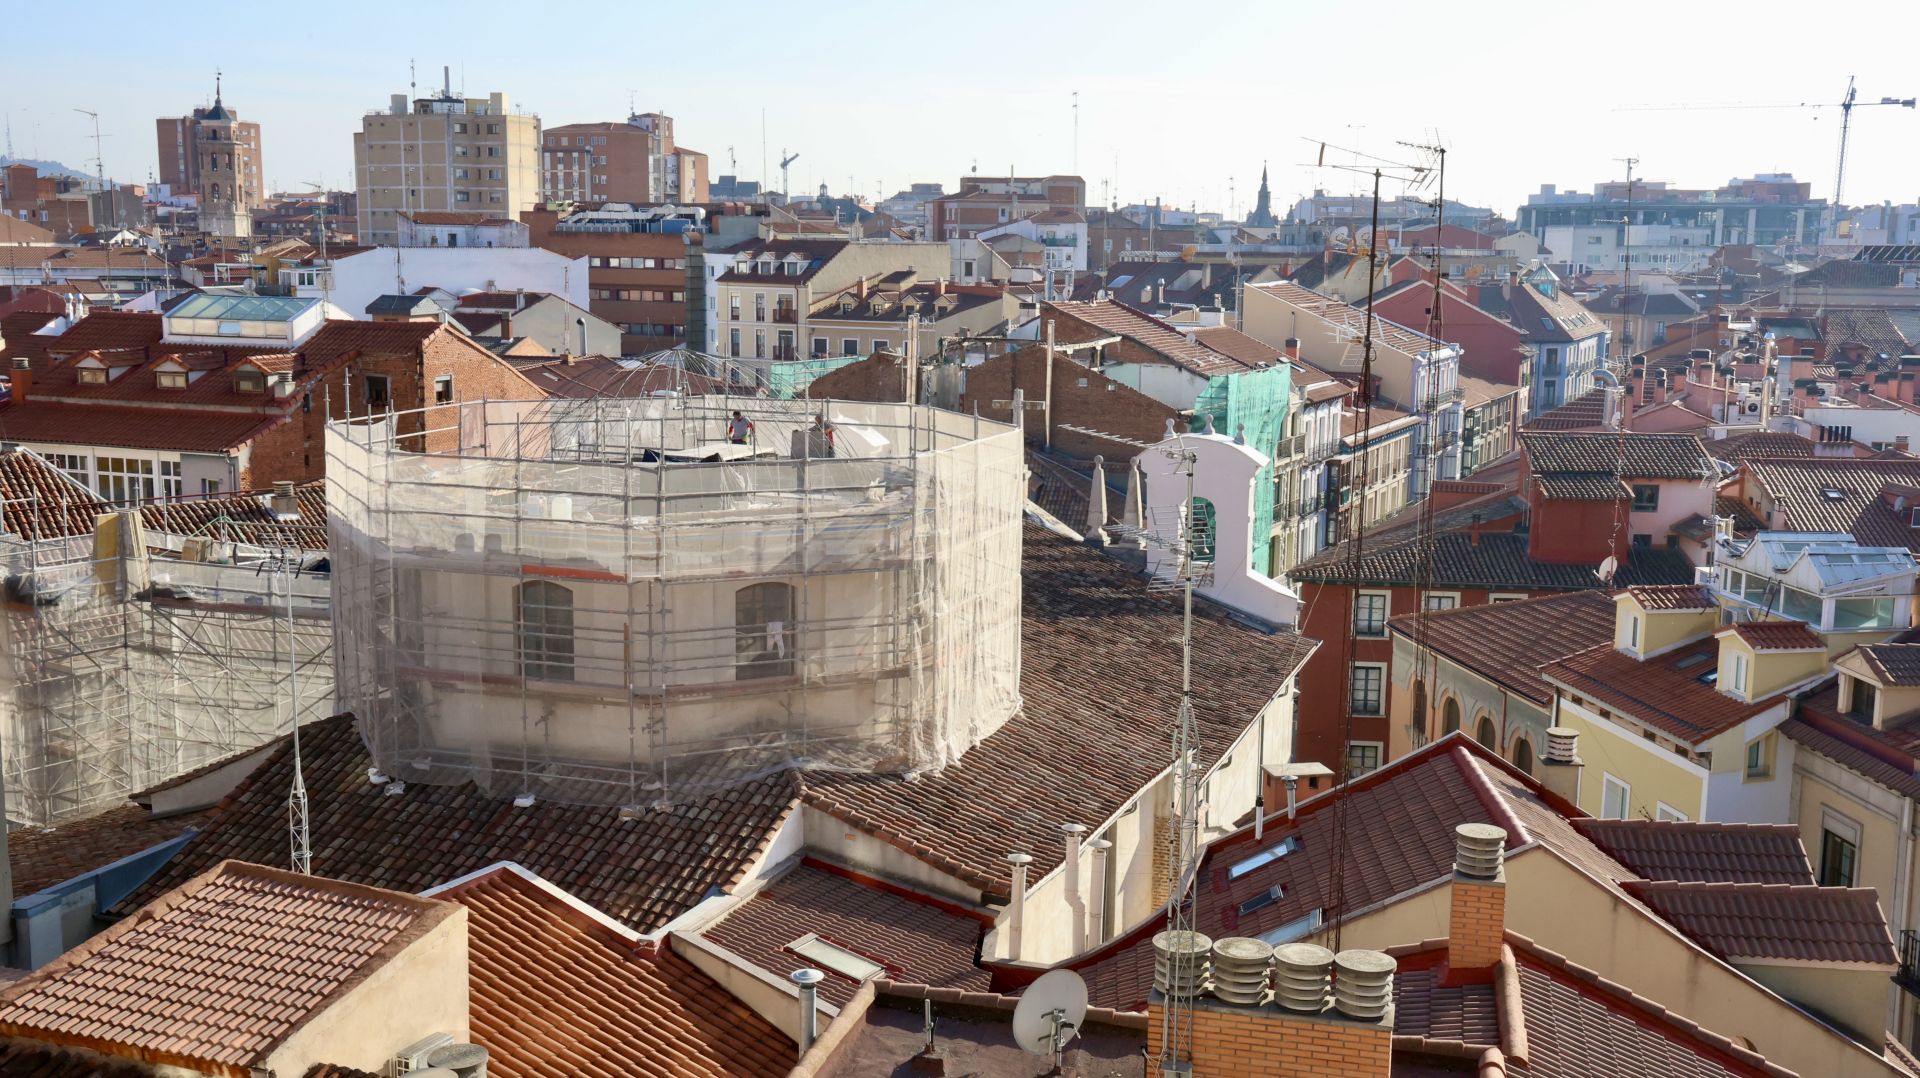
x=1096, y=533
x=519, y=299
x=940, y=287
x=1016, y=903
x=860, y=287
x=506, y=327
x=1096, y=902
x=1070, y=878
x=283, y=504
x=808, y=981
x=22, y=377
x=1478, y=923
x=1292, y=348
x=1560, y=765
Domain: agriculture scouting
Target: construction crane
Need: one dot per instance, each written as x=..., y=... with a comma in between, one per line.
x=1846, y=105
x=785, y=160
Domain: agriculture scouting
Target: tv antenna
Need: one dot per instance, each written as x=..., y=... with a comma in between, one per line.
x=1049, y=1014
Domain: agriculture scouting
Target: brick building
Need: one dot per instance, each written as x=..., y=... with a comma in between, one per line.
x=634, y=162
x=637, y=267
x=986, y=202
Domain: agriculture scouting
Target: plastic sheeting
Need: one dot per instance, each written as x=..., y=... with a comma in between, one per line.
x=604, y=601
x=1253, y=403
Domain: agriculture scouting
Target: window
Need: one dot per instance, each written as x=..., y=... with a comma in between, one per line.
x=1800, y=605
x=1633, y=631
x=1451, y=712
x=1367, y=688
x=759, y=344
x=1370, y=613
x=1863, y=694
x=733, y=342
x=93, y=376
x=1738, y=666
x=762, y=633
x=850, y=346
x=1759, y=762
x=1264, y=857
x=124, y=480
x=1613, y=798
x=443, y=389
x=1667, y=813
x=1485, y=734
x=835, y=958
x=1442, y=601
x=1646, y=498
x=75, y=465
x=461, y=196
x=546, y=630
x=819, y=347
x=379, y=391
x=1868, y=612
x=1298, y=928
x=459, y=128
x=170, y=379
x=1505, y=597
x=1523, y=755
x=209, y=486
x=1362, y=757
x=1839, y=849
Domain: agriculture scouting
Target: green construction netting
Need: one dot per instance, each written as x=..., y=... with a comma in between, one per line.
x=1255, y=401
x=789, y=379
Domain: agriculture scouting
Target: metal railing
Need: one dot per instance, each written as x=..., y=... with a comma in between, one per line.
x=1323, y=451
x=1291, y=447
x=1908, y=975
x=786, y=314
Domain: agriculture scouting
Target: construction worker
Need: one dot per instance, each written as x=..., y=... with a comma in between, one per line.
x=739, y=429
x=823, y=435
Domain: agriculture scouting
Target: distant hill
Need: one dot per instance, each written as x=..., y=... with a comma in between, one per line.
x=47, y=168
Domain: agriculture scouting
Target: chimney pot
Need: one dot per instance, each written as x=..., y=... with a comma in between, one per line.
x=1180, y=962
x=1563, y=745
x=1240, y=970
x=808, y=981
x=1479, y=849
x=1300, y=977
x=1363, y=984
x=1017, y=902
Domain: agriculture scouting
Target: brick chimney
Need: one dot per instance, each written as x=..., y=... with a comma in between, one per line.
x=1560, y=765
x=1478, y=919
x=22, y=373
x=1264, y=1013
x=1292, y=348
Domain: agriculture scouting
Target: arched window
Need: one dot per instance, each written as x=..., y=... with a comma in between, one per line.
x=1484, y=733
x=1201, y=520
x=1523, y=755
x=1417, y=721
x=1453, y=716
x=763, y=631
x=545, y=612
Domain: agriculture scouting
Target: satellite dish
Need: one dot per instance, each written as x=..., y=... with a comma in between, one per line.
x=1606, y=570
x=1049, y=1013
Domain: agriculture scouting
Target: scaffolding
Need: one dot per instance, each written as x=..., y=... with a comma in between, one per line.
x=607, y=601
x=124, y=665
x=1252, y=405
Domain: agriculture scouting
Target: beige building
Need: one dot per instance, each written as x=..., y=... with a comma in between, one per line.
x=444, y=153
x=767, y=297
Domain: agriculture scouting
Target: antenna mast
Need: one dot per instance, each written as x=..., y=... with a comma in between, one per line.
x=299, y=836
x=1626, y=269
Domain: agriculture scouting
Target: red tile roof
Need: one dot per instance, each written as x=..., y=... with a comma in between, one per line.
x=1093, y=657
x=917, y=937
x=43, y=856
x=1704, y=852
x=20, y=1058
x=1112, y=316
x=1773, y=921
x=1508, y=643
x=1588, y=411
x=1893, y=663
x=1664, y=692
x=41, y=501
x=246, y=516
x=1799, y=491
x=185, y=430
x=556, y=991
x=1627, y=455
x=1670, y=598
x=1340, y=313
x=1776, y=635
x=642, y=872
x=240, y=925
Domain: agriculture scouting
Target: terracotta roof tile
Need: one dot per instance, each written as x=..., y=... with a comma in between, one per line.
x=918, y=938
x=1673, y=597
x=1801, y=923
x=1583, y=487
x=1894, y=664
x=1885, y=756
x=1588, y=411
x=1760, y=444
x=1094, y=656
x=1425, y=1007
x=1776, y=635
x=1151, y=333
x=1629, y=455
x=246, y=516
x=245, y=921
x=21, y=1058
x=41, y=501
x=185, y=430
x=1800, y=490
x=642, y=872
x=1704, y=852
x=554, y=991
x=1492, y=559
x=1664, y=692
x=1509, y=642
x=44, y=856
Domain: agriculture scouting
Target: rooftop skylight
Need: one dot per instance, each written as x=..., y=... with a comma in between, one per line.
x=1264, y=857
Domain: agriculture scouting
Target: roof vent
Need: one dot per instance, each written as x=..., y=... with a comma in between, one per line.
x=1300, y=972
x=1563, y=745
x=1240, y=970
x=283, y=504
x=1180, y=962
x=465, y=1060
x=22, y=363
x=1478, y=850
x=1363, y=984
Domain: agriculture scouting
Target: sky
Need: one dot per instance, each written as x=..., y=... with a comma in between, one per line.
x=875, y=96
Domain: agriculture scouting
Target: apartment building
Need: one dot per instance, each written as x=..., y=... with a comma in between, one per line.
x=987, y=202
x=635, y=162
x=637, y=266
x=444, y=153
x=763, y=303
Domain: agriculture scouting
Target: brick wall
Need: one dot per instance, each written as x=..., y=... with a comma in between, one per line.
x=1164, y=838
x=1249, y=1042
x=1081, y=397
x=875, y=378
x=1477, y=924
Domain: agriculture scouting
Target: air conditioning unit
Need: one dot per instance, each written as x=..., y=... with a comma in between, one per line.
x=1752, y=407
x=440, y=1054
x=413, y=1057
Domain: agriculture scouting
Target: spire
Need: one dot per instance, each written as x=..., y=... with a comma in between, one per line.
x=216, y=98
x=218, y=111
x=1262, y=215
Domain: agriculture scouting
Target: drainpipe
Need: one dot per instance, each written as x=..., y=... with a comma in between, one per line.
x=1903, y=901
x=1070, y=872
x=1097, y=904
x=1017, y=903
x=808, y=981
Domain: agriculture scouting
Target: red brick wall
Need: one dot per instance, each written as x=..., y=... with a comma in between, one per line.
x=1100, y=404
x=1242, y=1042
x=1575, y=533
x=1477, y=924
x=875, y=378
x=1489, y=347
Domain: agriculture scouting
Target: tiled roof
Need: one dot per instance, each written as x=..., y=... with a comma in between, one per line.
x=1151, y=333
x=1744, y=522
x=555, y=991
x=1234, y=343
x=1094, y=656
x=1820, y=738
x=918, y=938
x=1800, y=492
x=1509, y=642
x=1863, y=327
x=1629, y=455
x=1582, y=487
x=642, y=872
x=1704, y=852
x=245, y=515
x=606, y=376
x=1893, y=664
x=1346, y=315
x=41, y=501
x=1497, y=560
x=1057, y=487
x=1673, y=597
x=184, y=430
x=1763, y=443
x=43, y=856
x=334, y=1070
x=1559, y=317
x=1776, y=635
x=1799, y=923
x=1664, y=692
x=814, y=254
x=214, y=956
x=20, y=1058
x=99, y=331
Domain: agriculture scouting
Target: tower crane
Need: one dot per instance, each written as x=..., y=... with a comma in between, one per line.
x=785, y=160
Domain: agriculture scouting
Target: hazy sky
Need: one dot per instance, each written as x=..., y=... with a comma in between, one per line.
x=875, y=95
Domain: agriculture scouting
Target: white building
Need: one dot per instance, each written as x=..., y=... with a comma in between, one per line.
x=1607, y=248
x=364, y=276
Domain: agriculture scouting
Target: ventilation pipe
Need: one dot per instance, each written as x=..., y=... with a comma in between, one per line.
x=1300, y=977
x=582, y=324
x=1097, y=504
x=1293, y=802
x=808, y=981
x=1363, y=984
x=1070, y=873
x=1017, y=903
x=1097, y=902
x=283, y=504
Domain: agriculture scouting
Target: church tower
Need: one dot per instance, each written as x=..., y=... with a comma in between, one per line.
x=228, y=170
x=1262, y=215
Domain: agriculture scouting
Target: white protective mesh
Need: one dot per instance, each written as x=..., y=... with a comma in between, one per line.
x=566, y=598
x=120, y=669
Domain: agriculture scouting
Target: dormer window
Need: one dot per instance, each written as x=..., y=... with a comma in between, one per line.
x=249, y=380
x=93, y=376
x=170, y=379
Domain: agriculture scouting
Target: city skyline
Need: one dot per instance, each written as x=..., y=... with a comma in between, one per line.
x=878, y=120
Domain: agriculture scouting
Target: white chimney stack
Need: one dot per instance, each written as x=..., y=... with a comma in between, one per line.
x=1017, y=902
x=1097, y=903
x=1070, y=876
x=808, y=981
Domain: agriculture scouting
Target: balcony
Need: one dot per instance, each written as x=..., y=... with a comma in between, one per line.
x=1289, y=448
x=1908, y=976
x=1445, y=397
x=1059, y=241
x=1323, y=451
x=788, y=315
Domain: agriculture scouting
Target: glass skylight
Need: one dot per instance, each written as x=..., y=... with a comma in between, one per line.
x=836, y=958
x=1264, y=857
